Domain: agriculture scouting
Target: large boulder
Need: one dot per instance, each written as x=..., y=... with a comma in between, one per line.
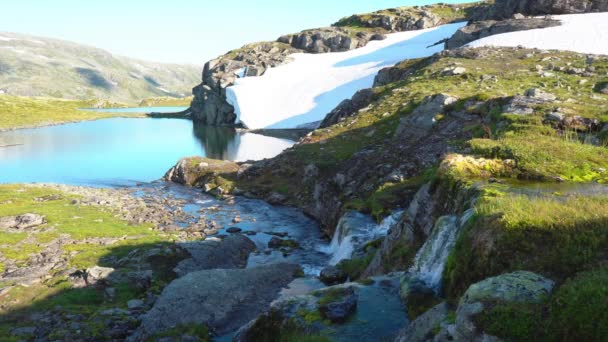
x=348, y=108
x=516, y=287
x=422, y=328
x=231, y=252
x=201, y=172
x=422, y=119
x=24, y=221
x=222, y=299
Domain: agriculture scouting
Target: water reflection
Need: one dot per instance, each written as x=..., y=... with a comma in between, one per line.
x=113, y=151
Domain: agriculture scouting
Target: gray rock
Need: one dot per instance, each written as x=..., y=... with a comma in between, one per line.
x=518, y=287
x=135, y=304
x=421, y=329
x=234, y=230
x=453, y=71
x=603, y=89
x=505, y=9
x=24, y=221
x=348, y=108
x=339, y=310
x=422, y=119
x=331, y=275
x=23, y=331
x=540, y=94
x=222, y=299
x=231, y=252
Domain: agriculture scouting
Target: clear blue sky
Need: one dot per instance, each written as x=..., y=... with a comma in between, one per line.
x=177, y=31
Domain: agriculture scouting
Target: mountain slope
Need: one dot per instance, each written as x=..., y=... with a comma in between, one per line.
x=36, y=66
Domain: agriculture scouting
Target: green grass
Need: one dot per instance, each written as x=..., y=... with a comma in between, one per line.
x=167, y=101
x=575, y=312
x=17, y=111
x=511, y=232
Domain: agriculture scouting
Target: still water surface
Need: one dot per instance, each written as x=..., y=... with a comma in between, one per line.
x=121, y=151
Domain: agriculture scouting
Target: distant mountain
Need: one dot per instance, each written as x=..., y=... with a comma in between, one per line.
x=36, y=66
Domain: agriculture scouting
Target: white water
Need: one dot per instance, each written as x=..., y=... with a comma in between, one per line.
x=433, y=255
x=355, y=230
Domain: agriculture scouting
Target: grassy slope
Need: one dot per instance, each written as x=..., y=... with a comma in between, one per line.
x=18, y=112
x=77, y=222
x=556, y=234
x=38, y=66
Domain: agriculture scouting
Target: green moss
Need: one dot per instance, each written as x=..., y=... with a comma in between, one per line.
x=512, y=321
x=578, y=309
x=355, y=267
x=511, y=231
x=419, y=303
x=331, y=295
x=310, y=316
x=21, y=252
x=199, y=331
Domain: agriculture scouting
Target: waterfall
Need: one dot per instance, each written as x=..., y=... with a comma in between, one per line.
x=354, y=230
x=432, y=256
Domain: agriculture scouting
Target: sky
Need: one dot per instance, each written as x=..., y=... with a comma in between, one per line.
x=178, y=31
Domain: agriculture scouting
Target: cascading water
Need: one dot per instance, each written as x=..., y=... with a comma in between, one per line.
x=432, y=256
x=354, y=230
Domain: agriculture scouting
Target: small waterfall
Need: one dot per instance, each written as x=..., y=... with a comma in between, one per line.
x=432, y=256
x=354, y=230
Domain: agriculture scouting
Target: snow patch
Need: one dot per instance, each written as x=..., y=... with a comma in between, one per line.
x=584, y=33
x=310, y=86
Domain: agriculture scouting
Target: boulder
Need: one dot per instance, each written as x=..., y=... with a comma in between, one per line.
x=339, y=309
x=331, y=275
x=348, y=108
x=231, y=252
x=518, y=287
x=24, y=221
x=197, y=171
x=222, y=299
x=422, y=328
x=422, y=119
x=540, y=94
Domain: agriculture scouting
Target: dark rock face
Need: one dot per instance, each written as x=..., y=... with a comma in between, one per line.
x=332, y=275
x=507, y=8
x=347, y=108
x=232, y=252
x=222, y=299
x=339, y=310
x=481, y=29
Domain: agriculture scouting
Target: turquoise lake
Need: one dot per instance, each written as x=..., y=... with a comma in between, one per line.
x=121, y=151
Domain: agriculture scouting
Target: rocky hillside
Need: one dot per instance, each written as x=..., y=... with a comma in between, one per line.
x=495, y=154
x=210, y=105
x=36, y=66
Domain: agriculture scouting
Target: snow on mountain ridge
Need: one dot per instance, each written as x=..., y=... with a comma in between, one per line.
x=310, y=86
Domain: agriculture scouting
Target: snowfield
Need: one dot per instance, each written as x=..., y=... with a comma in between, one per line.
x=307, y=88
x=585, y=33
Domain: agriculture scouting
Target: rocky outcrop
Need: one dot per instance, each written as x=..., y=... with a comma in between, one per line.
x=21, y=222
x=422, y=328
x=517, y=287
x=349, y=107
x=501, y=10
x=403, y=18
x=203, y=172
x=424, y=116
x=481, y=29
x=231, y=252
x=330, y=39
x=224, y=300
